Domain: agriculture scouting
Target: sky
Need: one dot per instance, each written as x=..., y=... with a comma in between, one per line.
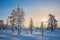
x=37, y=9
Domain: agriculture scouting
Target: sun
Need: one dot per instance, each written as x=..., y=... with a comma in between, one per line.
x=44, y=19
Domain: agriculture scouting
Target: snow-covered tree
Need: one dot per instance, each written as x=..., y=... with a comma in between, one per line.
x=37, y=28
x=20, y=18
x=42, y=29
x=52, y=22
x=7, y=24
x=1, y=24
x=31, y=25
x=13, y=19
x=17, y=18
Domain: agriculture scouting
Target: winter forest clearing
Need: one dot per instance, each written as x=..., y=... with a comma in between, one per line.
x=29, y=20
x=47, y=35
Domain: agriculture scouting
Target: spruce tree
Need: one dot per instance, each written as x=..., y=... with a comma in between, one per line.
x=42, y=29
x=52, y=22
x=31, y=25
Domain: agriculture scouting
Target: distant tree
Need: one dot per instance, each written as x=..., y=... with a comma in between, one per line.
x=31, y=25
x=37, y=28
x=7, y=23
x=42, y=29
x=1, y=24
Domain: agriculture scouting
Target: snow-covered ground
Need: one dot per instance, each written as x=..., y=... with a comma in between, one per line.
x=47, y=35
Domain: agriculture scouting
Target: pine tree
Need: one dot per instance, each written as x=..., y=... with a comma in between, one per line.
x=52, y=22
x=20, y=18
x=42, y=29
x=1, y=24
x=36, y=28
x=7, y=25
x=13, y=19
x=31, y=25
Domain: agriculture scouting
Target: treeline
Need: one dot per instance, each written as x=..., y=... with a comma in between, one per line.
x=52, y=25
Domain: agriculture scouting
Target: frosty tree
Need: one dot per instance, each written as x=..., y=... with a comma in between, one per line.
x=1, y=24
x=13, y=19
x=17, y=18
x=37, y=28
x=31, y=25
x=20, y=18
x=42, y=29
x=7, y=24
x=52, y=22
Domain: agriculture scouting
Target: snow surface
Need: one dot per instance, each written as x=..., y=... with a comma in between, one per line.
x=47, y=35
